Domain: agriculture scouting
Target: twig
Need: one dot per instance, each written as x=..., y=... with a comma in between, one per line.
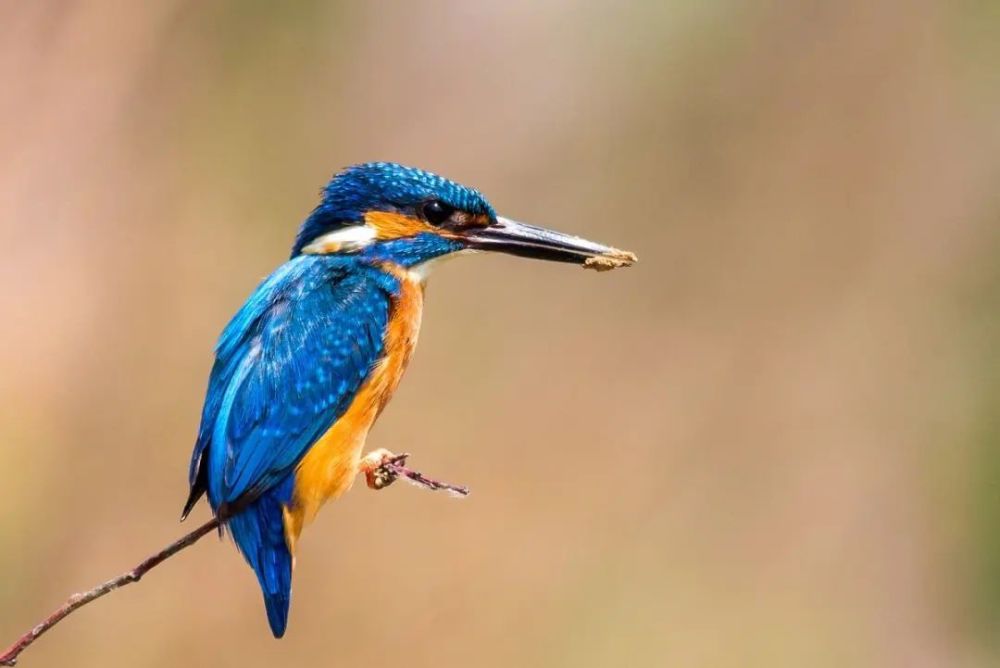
x=76, y=601
x=9, y=657
x=420, y=480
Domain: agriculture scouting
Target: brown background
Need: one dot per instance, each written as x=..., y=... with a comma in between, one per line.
x=771, y=443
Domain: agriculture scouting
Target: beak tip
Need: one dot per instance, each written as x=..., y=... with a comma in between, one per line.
x=611, y=259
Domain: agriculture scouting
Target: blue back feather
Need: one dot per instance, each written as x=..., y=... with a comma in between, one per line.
x=287, y=367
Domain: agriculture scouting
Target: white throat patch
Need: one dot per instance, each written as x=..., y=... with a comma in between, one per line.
x=353, y=237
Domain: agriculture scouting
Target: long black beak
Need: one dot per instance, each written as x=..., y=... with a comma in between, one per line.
x=514, y=238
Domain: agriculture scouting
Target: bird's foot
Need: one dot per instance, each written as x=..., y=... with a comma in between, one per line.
x=380, y=467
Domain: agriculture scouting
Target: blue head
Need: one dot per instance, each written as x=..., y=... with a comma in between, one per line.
x=389, y=212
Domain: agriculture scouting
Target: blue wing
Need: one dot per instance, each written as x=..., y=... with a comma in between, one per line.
x=287, y=366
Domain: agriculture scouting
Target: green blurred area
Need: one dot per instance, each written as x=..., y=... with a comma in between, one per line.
x=983, y=498
x=773, y=442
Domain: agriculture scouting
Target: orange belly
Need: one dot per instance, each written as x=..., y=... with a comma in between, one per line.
x=331, y=465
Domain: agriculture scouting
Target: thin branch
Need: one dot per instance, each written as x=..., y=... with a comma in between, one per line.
x=420, y=480
x=9, y=657
x=390, y=469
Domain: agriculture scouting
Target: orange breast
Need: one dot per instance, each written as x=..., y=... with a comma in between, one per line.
x=331, y=465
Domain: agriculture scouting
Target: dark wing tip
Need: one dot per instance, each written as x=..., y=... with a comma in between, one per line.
x=196, y=492
x=199, y=483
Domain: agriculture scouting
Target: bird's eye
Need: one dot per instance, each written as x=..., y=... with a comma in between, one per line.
x=436, y=212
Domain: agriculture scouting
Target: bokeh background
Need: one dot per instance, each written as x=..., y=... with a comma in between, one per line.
x=774, y=442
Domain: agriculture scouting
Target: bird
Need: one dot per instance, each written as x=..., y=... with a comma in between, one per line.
x=308, y=363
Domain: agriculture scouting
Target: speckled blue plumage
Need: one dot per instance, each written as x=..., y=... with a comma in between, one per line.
x=287, y=366
x=383, y=186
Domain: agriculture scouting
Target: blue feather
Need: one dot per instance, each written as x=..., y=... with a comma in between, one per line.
x=287, y=367
x=259, y=531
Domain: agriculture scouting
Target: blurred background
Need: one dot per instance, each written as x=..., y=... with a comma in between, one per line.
x=773, y=442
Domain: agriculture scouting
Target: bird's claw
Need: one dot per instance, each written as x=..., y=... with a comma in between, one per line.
x=382, y=468
x=379, y=467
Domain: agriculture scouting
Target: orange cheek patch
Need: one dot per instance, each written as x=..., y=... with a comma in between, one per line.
x=389, y=225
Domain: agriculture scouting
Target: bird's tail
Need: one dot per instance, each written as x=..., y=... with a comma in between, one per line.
x=259, y=532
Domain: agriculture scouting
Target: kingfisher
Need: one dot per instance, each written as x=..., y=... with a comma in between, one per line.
x=305, y=367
